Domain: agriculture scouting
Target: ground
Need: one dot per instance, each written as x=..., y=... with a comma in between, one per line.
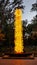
x=18, y=61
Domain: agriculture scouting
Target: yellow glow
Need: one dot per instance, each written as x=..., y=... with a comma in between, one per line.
x=18, y=31
x=18, y=12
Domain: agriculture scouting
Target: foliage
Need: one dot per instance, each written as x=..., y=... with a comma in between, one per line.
x=34, y=20
x=7, y=8
x=34, y=7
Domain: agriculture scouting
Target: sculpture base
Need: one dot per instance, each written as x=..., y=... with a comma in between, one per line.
x=19, y=56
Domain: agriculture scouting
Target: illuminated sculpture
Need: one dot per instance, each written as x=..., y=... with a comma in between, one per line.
x=18, y=31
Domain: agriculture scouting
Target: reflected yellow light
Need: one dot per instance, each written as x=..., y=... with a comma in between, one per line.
x=18, y=31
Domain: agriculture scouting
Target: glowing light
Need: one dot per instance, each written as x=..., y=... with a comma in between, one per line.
x=18, y=31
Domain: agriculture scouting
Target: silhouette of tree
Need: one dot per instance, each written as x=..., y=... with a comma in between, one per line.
x=7, y=8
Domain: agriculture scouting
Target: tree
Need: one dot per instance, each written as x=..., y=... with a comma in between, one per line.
x=7, y=17
x=34, y=20
x=32, y=27
x=7, y=11
x=29, y=28
x=34, y=6
x=5, y=14
x=24, y=26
